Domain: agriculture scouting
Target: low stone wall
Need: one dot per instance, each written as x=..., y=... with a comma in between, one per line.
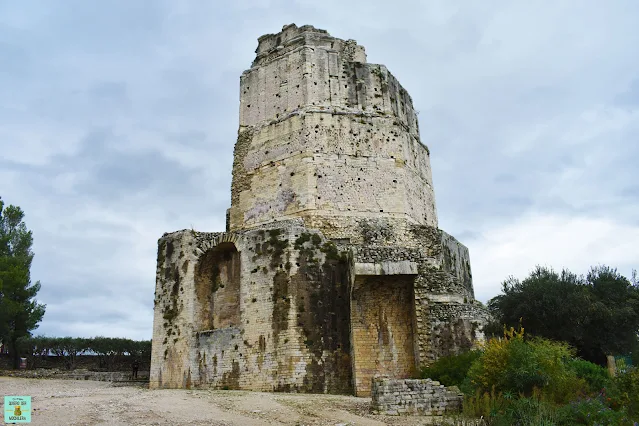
x=102, y=376
x=414, y=396
x=78, y=374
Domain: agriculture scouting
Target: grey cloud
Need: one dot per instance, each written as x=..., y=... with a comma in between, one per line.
x=98, y=317
x=630, y=97
x=466, y=236
x=113, y=94
x=88, y=311
x=113, y=174
x=75, y=291
x=631, y=192
x=15, y=61
x=117, y=26
x=104, y=171
x=505, y=178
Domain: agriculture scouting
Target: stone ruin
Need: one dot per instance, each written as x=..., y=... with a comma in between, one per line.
x=332, y=269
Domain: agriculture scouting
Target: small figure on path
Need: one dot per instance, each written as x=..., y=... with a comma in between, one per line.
x=136, y=366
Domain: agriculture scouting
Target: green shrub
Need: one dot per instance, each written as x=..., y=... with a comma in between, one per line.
x=487, y=405
x=593, y=411
x=625, y=392
x=505, y=409
x=451, y=370
x=513, y=365
x=596, y=376
x=530, y=411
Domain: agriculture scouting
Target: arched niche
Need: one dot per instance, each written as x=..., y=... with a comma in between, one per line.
x=217, y=287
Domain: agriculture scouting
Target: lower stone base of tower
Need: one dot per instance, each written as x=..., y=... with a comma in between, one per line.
x=283, y=308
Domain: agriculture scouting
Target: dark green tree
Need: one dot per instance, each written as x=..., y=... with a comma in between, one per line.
x=612, y=319
x=19, y=311
x=109, y=350
x=69, y=348
x=597, y=314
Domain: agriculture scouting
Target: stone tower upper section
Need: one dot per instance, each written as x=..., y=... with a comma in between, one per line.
x=327, y=137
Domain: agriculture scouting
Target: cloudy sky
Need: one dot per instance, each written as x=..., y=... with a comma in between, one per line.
x=118, y=119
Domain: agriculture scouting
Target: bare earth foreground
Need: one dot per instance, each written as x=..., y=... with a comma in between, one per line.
x=71, y=402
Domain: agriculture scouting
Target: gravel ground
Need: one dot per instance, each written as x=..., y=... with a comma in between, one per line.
x=71, y=402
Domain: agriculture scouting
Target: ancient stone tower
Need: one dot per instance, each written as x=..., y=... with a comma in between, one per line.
x=332, y=268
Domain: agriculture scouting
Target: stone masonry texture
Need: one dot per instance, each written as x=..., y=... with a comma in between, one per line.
x=332, y=270
x=424, y=397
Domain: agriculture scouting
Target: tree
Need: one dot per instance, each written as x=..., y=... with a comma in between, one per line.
x=68, y=348
x=108, y=349
x=597, y=314
x=19, y=311
x=613, y=315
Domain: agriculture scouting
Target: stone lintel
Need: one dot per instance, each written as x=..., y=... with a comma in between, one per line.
x=446, y=298
x=404, y=267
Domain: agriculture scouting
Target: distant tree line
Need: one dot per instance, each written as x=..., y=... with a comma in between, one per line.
x=107, y=350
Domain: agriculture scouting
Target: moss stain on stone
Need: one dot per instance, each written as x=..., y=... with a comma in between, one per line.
x=281, y=303
x=323, y=313
x=162, y=253
x=169, y=249
x=231, y=379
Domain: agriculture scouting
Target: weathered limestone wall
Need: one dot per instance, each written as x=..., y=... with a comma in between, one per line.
x=323, y=134
x=284, y=308
x=446, y=319
x=405, y=397
x=292, y=328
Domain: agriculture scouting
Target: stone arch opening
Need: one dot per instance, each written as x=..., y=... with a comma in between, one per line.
x=382, y=329
x=217, y=287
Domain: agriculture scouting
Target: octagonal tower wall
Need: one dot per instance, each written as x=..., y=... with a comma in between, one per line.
x=327, y=137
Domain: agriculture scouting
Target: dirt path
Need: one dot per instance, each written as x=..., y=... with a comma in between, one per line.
x=70, y=402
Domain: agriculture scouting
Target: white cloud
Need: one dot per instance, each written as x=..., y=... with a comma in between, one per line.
x=571, y=242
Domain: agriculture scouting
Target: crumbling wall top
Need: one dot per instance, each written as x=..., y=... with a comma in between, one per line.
x=292, y=37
